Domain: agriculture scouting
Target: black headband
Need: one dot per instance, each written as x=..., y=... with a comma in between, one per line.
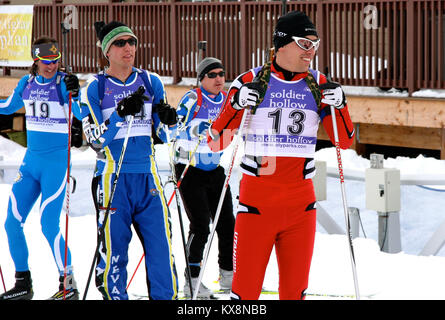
x=46, y=50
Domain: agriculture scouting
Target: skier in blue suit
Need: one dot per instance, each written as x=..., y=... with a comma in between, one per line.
x=44, y=93
x=107, y=100
x=203, y=183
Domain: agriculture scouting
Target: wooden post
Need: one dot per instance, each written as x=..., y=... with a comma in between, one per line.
x=442, y=147
x=55, y=25
x=110, y=12
x=323, y=56
x=410, y=48
x=174, y=45
x=360, y=148
x=245, y=36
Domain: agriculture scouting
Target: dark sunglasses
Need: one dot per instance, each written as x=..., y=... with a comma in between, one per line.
x=212, y=75
x=121, y=42
x=48, y=62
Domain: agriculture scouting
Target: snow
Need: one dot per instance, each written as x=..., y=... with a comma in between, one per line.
x=403, y=275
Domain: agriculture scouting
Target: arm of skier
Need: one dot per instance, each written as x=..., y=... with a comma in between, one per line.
x=98, y=133
x=69, y=84
x=163, y=113
x=345, y=126
x=186, y=113
x=14, y=102
x=225, y=126
x=186, y=108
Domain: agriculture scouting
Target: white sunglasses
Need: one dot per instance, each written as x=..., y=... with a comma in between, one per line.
x=307, y=44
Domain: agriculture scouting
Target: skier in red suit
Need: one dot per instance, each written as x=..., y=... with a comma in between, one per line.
x=277, y=199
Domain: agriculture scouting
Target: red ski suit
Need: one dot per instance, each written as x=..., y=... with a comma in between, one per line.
x=276, y=207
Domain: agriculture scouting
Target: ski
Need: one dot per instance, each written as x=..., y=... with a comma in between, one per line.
x=219, y=294
x=223, y=295
x=310, y=294
x=264, y=291
x=216, y=295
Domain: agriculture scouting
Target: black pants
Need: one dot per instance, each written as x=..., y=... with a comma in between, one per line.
x=200, y=192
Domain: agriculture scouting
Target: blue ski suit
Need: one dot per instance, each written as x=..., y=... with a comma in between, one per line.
x=44, y=167
x=139, y=197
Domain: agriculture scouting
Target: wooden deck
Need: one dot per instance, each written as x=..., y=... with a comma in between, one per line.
x=400, y=122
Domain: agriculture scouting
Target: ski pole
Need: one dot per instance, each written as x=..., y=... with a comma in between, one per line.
x=177, y=185
x=68, y=69
x=107, y=211
x=220, y=203
x=343, y=194
x=345, y=205
x=184, y=243
x=67, y=194
x=3, y=280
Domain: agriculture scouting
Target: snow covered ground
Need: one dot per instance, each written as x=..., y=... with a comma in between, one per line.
x=381, y=275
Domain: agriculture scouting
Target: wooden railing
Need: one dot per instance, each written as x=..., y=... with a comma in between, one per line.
x=383, y=43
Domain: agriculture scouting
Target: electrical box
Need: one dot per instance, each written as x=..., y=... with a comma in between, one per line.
x=319, y=180
x=382, y=189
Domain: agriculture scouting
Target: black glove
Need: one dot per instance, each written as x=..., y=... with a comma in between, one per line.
x=132, y=104
x=166, y=113
x=76, y=133
x=72, y=84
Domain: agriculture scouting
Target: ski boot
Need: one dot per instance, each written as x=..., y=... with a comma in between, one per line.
x=204, y=293
x=225, y=280
x=71, y=292
x=22, y=289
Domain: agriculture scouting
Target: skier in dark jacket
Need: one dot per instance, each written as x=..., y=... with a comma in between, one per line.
x=203, y=183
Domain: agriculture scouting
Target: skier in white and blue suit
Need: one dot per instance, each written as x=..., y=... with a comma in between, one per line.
x=44, y=93
x=107, y=99
x=203, y=182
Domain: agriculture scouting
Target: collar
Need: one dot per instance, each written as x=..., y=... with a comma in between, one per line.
x=41, y=79
x=130, y=78
x=285, y=74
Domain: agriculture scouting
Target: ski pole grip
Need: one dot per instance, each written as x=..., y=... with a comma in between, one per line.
x=140, y=91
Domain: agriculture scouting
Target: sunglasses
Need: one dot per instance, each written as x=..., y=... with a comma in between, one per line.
x=48, y=62
x=121, y=42
x=212, y=75
x=307, y=44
